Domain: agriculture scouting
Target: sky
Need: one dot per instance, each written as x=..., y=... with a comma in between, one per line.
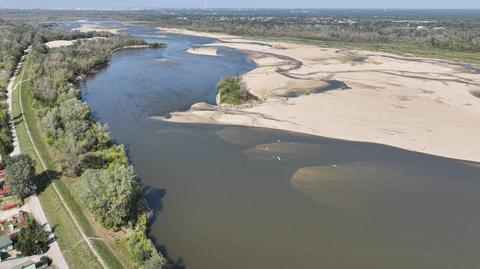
x=407, y=4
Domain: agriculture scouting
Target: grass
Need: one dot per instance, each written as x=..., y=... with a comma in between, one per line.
x=76, y=251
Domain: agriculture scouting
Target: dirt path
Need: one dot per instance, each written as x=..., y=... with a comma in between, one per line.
x=72, y=216
x=33, y=203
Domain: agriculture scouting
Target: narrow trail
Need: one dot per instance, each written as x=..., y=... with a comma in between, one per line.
x=60, y=262
x=33, y=203
x=11, y=121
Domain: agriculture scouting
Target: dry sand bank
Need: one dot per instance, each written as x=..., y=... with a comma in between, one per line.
x=425, y=105
x=64, y=43
x=87, y=27
x=59, y=43
x=204, y=51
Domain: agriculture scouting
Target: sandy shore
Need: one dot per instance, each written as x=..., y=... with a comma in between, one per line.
x=204, y=51
x=424, y=105
x=86, y=27
x=64, y=43
x=59, y=43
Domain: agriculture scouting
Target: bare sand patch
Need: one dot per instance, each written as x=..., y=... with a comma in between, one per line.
x=96, y=28
x=412, y=103
x=64, y=43
x=204, y=51
x=59, y=43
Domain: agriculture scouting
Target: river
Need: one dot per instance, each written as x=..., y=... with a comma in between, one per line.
x=238, y=197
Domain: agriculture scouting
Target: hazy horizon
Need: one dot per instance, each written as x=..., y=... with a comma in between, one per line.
x=340, y=4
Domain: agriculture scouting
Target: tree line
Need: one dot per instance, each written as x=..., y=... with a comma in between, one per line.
x=437, y=31
x=14, y=38
x=105, y=182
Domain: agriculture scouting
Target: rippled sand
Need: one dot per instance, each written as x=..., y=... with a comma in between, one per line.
x=423, y=105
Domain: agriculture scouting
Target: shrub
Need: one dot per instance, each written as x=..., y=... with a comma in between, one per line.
x=232, y=90
x=112, y=195
x=144, y=252
x=20, y=172
x=32, y=240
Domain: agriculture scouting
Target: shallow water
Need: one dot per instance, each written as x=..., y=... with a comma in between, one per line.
x=237, y=197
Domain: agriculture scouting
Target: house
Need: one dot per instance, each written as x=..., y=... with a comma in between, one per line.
x=6, y=244
x=26, y=265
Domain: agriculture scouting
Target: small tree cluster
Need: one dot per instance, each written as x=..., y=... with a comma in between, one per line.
x=111, y=194
x=31, y=240
x=21, y=175
x=144, y=252
x=233, y=90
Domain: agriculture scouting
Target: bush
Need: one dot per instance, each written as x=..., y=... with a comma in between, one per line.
x=31, y=240
x=112, y=195
x=45, y=260
x=20, y=172
x=144, y=252
x=232, y=90
x=5, y=134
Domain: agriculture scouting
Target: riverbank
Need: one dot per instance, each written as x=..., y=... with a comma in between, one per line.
x=76, y=225
x=418, y=104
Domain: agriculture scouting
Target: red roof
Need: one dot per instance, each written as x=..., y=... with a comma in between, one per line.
x=21, y=218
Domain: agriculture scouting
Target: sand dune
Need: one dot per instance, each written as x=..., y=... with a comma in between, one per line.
x=423, y=105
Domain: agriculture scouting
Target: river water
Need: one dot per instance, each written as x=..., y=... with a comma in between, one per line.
x=237, y=197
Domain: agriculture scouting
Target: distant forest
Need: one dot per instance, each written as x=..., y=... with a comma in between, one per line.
x=457, y=30
x=450, y=30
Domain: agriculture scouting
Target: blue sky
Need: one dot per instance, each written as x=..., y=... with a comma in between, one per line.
x=467, y=4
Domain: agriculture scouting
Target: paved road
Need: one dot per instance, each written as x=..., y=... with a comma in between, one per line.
x=33, y=203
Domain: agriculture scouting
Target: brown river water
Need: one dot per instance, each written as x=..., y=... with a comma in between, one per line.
x=238, y=197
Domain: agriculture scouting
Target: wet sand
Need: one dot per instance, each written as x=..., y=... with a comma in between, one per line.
x=423, y=105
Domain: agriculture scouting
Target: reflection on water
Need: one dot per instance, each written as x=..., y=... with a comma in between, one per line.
x=237, y=197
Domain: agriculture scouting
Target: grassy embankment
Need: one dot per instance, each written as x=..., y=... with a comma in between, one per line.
x=76, y=251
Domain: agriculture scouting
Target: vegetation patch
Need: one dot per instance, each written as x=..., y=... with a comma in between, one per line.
x=233, y=91
x=72, y=144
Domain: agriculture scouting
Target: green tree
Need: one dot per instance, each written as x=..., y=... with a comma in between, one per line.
x=232, y=90
x=71, y=151
x=32, y=240
x=51, y=123
x=111, y=194
x=144, y=252
x=21, y=175
x=157, y=261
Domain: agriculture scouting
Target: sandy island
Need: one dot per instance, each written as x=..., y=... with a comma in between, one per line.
x=424, y=105
x=204, y=51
